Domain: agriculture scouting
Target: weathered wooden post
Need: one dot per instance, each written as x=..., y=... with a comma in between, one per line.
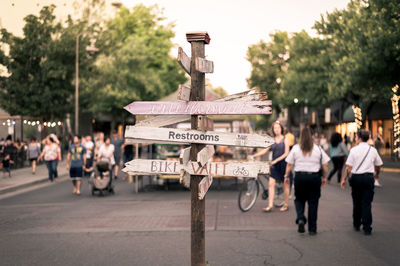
x=195, y=167
x=198, y=243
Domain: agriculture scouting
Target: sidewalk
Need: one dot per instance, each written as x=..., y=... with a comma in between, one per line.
x=390, y=165
x=23, y=178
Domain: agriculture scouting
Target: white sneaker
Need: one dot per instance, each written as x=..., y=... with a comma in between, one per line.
x=377, y=184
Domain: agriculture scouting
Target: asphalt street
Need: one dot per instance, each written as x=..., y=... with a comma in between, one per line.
x=48, y=225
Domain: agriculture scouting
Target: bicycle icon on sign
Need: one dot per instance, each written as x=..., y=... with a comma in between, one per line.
x=241, y=171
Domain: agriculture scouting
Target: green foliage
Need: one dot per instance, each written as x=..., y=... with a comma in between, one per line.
x=134, y=63
x=355, y=58
x=364, y=44
x=269, y=64
x=41, y=67
x=308, y=72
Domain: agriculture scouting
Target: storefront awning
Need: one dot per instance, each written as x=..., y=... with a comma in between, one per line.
x=348, y=115
x=380, y=111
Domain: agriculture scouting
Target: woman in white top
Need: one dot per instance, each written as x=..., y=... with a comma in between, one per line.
x=307, y=159
x=51, y=154
x=106, y=153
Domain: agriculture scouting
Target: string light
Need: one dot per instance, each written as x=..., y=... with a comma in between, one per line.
x=396, y=123
x=33, y=123
x=357, y=116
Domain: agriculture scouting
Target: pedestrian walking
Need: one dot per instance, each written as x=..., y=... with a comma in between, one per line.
x=76, y=163
x=323, y=142
x=310, y=165
x=128, y=156
x=51, y=154
x=33, y=153
x=280, y=149
x=99, y=141
x=6, y=162
x=364, y=164
x=106, y=153
x=338, y=152
x=89, y=146
x=118, y=148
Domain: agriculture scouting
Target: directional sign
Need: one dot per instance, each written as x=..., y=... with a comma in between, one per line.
x=200, y=108
x=157, y=135
x=184, y=60
x=204, y=65
x=205, y=154
x=165, y=120
x=156, y=167
x=204, y=185
x=204, y=123
x=184, y=156
x=184, y=178
x=183, y=93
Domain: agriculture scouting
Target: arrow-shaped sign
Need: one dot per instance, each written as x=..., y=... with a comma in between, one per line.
x=200, y=108
x=205, y=154
x=183, y=93
x=204, y=66
x=228, y=169
x=204, y=185
x=184, y=60
x=184, y=156
x=165, y=120
x=194, y=136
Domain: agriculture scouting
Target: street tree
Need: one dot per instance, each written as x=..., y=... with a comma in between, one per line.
x=308, y=73
x=363, y=45
x=135, y=62
x=40, y=67
x=269, y=61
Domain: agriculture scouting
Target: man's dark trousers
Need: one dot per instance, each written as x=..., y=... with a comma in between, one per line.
x=362, y=192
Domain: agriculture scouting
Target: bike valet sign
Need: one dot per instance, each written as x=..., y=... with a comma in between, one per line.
x=195, y=166
x=231, y=169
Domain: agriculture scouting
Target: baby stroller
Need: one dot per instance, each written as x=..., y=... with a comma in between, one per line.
x=101, y=179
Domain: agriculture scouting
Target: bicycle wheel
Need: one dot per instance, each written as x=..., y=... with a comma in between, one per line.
x=279, y=195
x=248, y=194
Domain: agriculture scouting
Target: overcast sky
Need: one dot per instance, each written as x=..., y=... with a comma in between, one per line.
x=232, y=25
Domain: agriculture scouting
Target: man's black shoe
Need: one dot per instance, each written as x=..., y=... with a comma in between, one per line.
x=367, y=233
x=312, y=233
x=301, y=227
x=356, y=228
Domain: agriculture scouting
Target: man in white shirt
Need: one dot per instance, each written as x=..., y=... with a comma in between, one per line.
x=363, y=163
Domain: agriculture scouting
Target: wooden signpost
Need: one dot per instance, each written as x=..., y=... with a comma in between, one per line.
x=184, y=136
x=195, y=168
x=200, y=108
x=220, y=169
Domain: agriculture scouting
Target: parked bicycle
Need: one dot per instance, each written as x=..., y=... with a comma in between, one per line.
x=250, y=188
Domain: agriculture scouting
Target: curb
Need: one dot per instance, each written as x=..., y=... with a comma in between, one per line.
x=390, y=170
